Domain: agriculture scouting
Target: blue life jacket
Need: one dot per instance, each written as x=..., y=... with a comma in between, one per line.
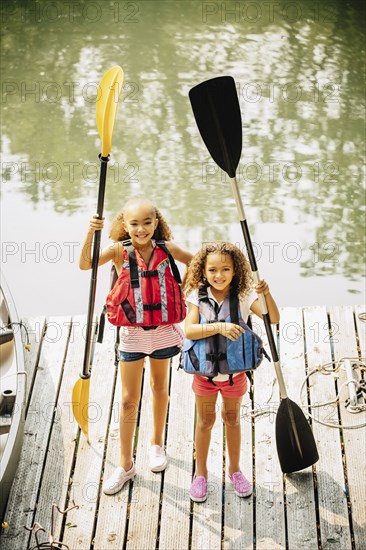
x=217, y=354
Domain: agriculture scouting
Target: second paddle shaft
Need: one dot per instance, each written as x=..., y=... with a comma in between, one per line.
x=256, y=277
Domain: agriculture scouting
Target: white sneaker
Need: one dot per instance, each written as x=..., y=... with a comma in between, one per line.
x=117, y=480
x=157, y=458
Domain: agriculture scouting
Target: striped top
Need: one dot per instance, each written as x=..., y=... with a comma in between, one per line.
x=136, y=339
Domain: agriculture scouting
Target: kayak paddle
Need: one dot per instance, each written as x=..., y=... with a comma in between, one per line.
x=216, y=109
x=109, y=90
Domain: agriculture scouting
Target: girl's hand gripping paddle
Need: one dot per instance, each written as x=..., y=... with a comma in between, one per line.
x=216, y=109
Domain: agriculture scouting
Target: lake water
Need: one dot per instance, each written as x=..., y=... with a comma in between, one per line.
x=299, y=73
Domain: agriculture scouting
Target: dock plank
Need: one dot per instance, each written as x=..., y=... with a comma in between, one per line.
x=60, y=453
x=360, y=312
x=332, y=502
x=345, y=345
x=147, y=484
x=239, y=512
x=35, y=328
x=86, y=477
x=112, y=510
x=269, y=498
x=23, y=497
x=207, y=516
x=175, y=512
x=299, y=486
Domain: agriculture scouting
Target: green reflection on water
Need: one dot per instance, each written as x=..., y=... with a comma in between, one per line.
x=298, y=67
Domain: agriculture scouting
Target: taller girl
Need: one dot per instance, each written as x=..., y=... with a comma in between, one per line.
x=142, y=223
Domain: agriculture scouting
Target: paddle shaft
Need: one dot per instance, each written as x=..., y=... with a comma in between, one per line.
x=256, y=276
x=95, y=260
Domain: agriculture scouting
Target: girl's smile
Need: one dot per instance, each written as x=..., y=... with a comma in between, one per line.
x=142, y=236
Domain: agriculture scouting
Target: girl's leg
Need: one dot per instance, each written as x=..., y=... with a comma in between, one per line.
x=206, y=415
x=131, y=376
x=231, y=419
x=159, y=382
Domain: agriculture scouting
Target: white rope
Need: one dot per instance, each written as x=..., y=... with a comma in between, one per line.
x=326, y=369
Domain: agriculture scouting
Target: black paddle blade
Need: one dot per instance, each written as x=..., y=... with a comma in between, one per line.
x=216, y=109
x=296, y=446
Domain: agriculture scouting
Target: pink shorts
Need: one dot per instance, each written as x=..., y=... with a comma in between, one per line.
x=201, y=386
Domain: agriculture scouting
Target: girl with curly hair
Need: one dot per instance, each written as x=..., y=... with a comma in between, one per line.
x=142, y=223
x=216, y=273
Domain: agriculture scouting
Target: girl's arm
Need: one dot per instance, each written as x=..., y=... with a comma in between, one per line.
x=178, y=253
x=263, y=288
x=112, y=252
x=194, y=330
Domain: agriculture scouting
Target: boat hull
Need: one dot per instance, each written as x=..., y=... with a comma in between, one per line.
x=12, y=393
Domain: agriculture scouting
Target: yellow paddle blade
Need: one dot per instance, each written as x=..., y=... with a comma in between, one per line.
x=80, y=401
x=109, y=91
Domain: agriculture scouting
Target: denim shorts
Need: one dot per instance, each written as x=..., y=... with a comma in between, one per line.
x=164, y=353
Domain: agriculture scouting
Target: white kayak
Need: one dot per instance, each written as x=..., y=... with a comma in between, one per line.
x=12, y=392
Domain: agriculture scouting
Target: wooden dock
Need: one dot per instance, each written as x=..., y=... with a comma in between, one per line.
x=322, y=507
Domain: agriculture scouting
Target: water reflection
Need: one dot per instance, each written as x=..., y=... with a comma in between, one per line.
x=298, y=69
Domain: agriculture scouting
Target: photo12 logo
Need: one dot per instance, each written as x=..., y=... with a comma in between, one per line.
x=70, y=171
x=273, y=171
x=75, y=93
x=290, y=92
x=71, y=12
x=268, y=12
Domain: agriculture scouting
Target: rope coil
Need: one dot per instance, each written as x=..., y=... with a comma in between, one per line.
x=351, y=405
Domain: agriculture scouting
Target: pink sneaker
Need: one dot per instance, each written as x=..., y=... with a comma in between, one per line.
x=198, y=491
x=241, y=485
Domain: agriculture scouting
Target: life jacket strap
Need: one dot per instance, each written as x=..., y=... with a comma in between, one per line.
x=213, y=383
x=151, y=307
x=134, y=270
x=173, y=265
x=101, y=325
x=113, y=280
x=152, y=273
x=215, y=357
x=234, y=307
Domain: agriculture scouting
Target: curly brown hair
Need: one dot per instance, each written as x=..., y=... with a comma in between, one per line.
x=242, y=280
x=118, y=233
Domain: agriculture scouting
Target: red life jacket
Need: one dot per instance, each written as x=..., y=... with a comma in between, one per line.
x=146, y=295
